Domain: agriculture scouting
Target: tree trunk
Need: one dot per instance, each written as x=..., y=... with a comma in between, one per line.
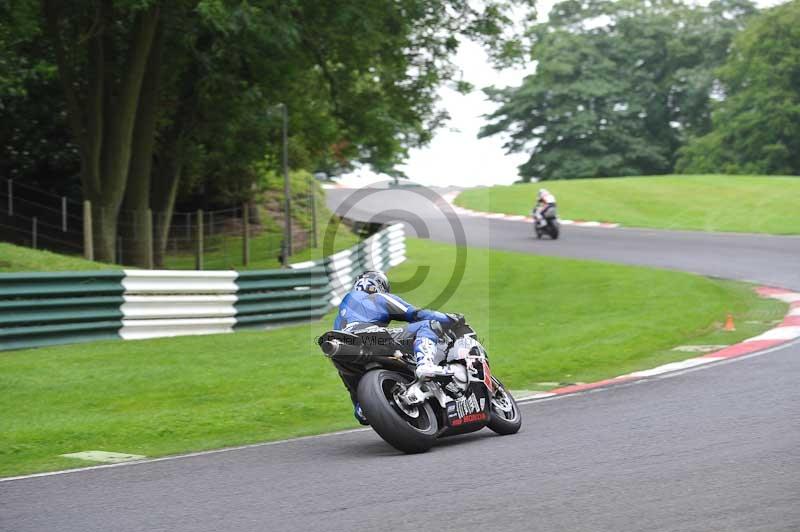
x=172, y=153
x=255, y=214
x=162, y=199
x=104, y=222
x=102, y=121
x=120, y=117
x=137, y=192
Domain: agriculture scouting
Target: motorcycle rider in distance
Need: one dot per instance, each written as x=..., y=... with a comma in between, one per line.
x=544, y=202
x=369, y=304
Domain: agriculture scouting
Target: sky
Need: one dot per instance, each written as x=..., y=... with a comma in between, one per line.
x=456, y=156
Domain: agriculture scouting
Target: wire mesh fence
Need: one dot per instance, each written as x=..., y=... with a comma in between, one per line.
x=34, y=218
x=236, y=237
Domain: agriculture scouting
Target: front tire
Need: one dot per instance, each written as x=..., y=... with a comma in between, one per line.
x=505, y=417
x=397, y=426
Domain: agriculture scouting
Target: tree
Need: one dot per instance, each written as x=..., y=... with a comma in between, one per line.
x=170, y=96
x=756, y=127
x=35, y=144
x=102, y=103
x=618, y=86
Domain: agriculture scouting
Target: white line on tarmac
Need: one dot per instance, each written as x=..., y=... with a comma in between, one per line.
x=535, y=399
x=624, y=383
x=180, y=456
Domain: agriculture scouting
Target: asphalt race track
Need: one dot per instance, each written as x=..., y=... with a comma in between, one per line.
x=711, y=449
x=773, y=260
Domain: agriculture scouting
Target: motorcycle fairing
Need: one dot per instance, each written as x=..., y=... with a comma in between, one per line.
x=478, y=370
x=470, y=412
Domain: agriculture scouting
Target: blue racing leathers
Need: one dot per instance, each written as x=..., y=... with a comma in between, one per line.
x=361, y=309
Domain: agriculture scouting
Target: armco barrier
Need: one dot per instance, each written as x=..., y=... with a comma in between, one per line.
x=38, y=309
x=176, y=303
x=277, y=296
x=381, y=251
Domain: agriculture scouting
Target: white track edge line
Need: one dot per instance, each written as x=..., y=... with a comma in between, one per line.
x=539, y=398
x=627, y=379
x=181, y=456
x=717, y=361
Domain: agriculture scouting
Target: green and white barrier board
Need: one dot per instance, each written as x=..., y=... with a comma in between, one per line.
x=38, y=309
x=381, y=251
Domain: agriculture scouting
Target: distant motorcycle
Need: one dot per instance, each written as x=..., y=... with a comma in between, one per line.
x=410, y=414
x=546, y=223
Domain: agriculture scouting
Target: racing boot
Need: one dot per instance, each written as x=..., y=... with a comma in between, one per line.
x=424, y=352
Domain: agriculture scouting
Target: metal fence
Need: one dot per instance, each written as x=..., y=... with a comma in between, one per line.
x=35, y=218
x=204, y=239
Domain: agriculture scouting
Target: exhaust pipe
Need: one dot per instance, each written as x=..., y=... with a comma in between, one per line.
x=354, y=354
x=330, y=347
x=335, y=348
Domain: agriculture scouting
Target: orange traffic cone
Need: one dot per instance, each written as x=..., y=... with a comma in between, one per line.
x=729, y=326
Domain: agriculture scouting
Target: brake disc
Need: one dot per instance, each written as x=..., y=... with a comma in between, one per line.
x=398, y=394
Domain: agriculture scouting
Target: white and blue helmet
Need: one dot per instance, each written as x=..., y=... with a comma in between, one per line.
x=372, y=282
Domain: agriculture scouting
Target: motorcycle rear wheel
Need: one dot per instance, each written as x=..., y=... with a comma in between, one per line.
x=396, y=424
x=505, y=417
x=554, y=229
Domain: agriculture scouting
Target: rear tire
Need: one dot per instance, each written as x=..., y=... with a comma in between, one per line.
x=401, y=431
x=505, y=417
x=554, y=230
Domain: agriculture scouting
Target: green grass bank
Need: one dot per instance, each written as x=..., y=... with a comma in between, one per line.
x=21, y=259
x=226, y=254
x=755, y=204
x=544, y=320
x=223, y=251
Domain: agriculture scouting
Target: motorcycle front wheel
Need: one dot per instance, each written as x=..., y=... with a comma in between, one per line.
x=407, y=429
x=505, y=417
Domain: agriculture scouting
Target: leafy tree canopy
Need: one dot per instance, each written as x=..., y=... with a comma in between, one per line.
x=618, y=86
x=161, y=97
x=756, y=127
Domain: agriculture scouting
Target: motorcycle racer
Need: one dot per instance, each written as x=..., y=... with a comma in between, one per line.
x=544, y=202
x=370, y=303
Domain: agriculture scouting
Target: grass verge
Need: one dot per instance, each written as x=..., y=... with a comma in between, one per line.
x=222, y=252
x=227, y=255
x=543, y=320
x=225, y=252
x=757, y=204
x=20, y=259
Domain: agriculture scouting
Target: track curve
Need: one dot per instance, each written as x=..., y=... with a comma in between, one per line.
x=768, y=259
x=715, y=449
